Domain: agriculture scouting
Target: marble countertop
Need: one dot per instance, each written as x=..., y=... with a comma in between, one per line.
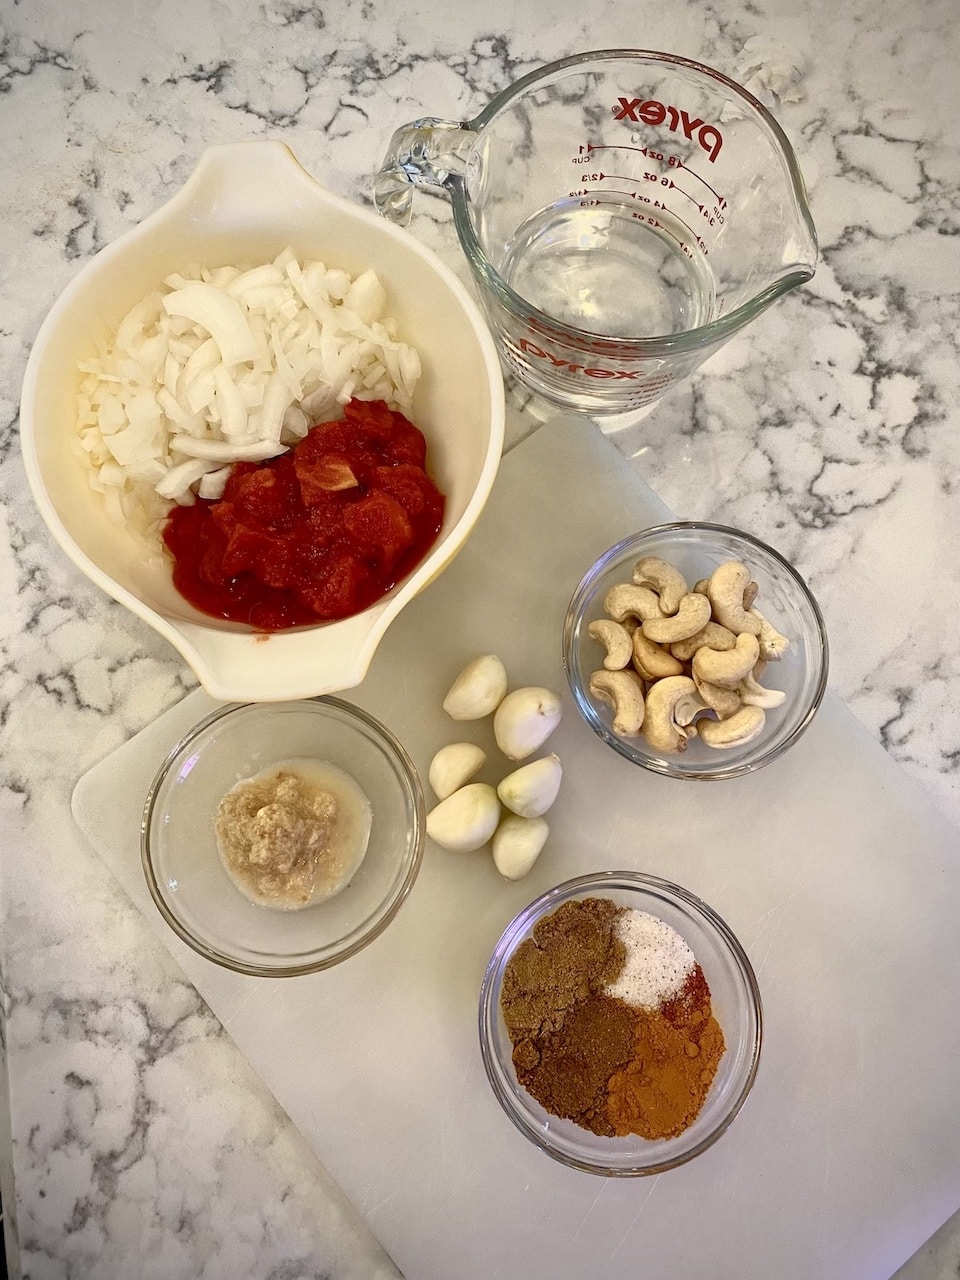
x=138, y=1141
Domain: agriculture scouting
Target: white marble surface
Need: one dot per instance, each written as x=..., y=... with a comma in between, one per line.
x=139, y=1142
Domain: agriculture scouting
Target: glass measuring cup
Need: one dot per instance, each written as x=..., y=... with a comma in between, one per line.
x=624, y=213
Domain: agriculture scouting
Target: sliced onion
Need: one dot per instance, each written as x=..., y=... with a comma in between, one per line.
x=221, y=315
x=221, y=365
x=222, y=451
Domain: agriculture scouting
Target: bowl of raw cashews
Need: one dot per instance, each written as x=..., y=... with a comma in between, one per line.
x=695, y=650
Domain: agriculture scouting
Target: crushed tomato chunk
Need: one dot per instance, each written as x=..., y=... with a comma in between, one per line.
x=319, y=533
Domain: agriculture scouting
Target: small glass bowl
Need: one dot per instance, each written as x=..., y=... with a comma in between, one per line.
x=182, y=864
x=735, y=1000
x=697, y=549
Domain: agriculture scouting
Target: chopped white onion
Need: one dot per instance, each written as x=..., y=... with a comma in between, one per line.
x=222, y=365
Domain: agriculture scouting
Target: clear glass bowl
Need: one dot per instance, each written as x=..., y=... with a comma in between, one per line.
x=736, y=1005
x=182, y=864
x=697, y=549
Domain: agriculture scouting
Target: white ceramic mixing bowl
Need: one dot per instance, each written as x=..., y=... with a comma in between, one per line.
x=244, y=203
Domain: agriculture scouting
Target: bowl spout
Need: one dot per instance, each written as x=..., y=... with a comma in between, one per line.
x=261, y=666
x=237, y=180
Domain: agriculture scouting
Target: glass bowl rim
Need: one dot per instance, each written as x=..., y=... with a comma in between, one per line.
x=522, y=923
x=661, y=765
x=405, y=769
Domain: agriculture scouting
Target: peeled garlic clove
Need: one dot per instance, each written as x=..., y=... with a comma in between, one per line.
x=477, y=690
x=465, y=820
x=525, y=719
x=530, y=790
x=517, y=844
x=454, y=765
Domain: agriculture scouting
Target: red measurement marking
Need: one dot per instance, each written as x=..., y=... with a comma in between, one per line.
x=598, y=146
x=722, y=204
x=689, y=228
x=670, y=234
x=602, y=146
x=600, y=176
x=605, y=191
x=692, y=199
x=682, y=243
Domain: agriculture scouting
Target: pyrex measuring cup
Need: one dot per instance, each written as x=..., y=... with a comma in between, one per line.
x=624, y=213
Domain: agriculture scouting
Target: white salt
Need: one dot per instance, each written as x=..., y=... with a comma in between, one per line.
x=657, y=964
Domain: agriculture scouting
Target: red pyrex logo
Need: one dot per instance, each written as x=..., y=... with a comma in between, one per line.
x=592, y=371
x=652, y=112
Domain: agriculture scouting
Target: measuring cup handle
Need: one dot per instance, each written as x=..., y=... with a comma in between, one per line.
x=429, y=153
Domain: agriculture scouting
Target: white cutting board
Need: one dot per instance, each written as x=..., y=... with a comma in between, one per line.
x=830, y=865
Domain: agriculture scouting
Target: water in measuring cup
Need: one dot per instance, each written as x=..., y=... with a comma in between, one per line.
x=608, y=270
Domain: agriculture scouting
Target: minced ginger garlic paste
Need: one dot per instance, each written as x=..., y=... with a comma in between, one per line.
x=293, y=834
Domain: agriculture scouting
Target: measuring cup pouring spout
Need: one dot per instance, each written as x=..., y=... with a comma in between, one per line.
x=623, y=212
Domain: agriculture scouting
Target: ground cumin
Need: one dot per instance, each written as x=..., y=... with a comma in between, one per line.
x=572, y=953
x=610, y=1066
x=568, y=1037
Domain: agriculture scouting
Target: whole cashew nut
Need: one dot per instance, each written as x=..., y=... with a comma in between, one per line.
x=725, y=589
x=712, y=635
x=692, y=615
x=661, y=727
x=616, y=640
x=623, y=692
x=772, y=644
x=652, y=662
x=727, y=669
x=625, y=599
x=725, y=702
x=734, y=732
x=668, y=582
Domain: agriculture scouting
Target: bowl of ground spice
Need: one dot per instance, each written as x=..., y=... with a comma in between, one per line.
x=620, y=1024
x=279, y=839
